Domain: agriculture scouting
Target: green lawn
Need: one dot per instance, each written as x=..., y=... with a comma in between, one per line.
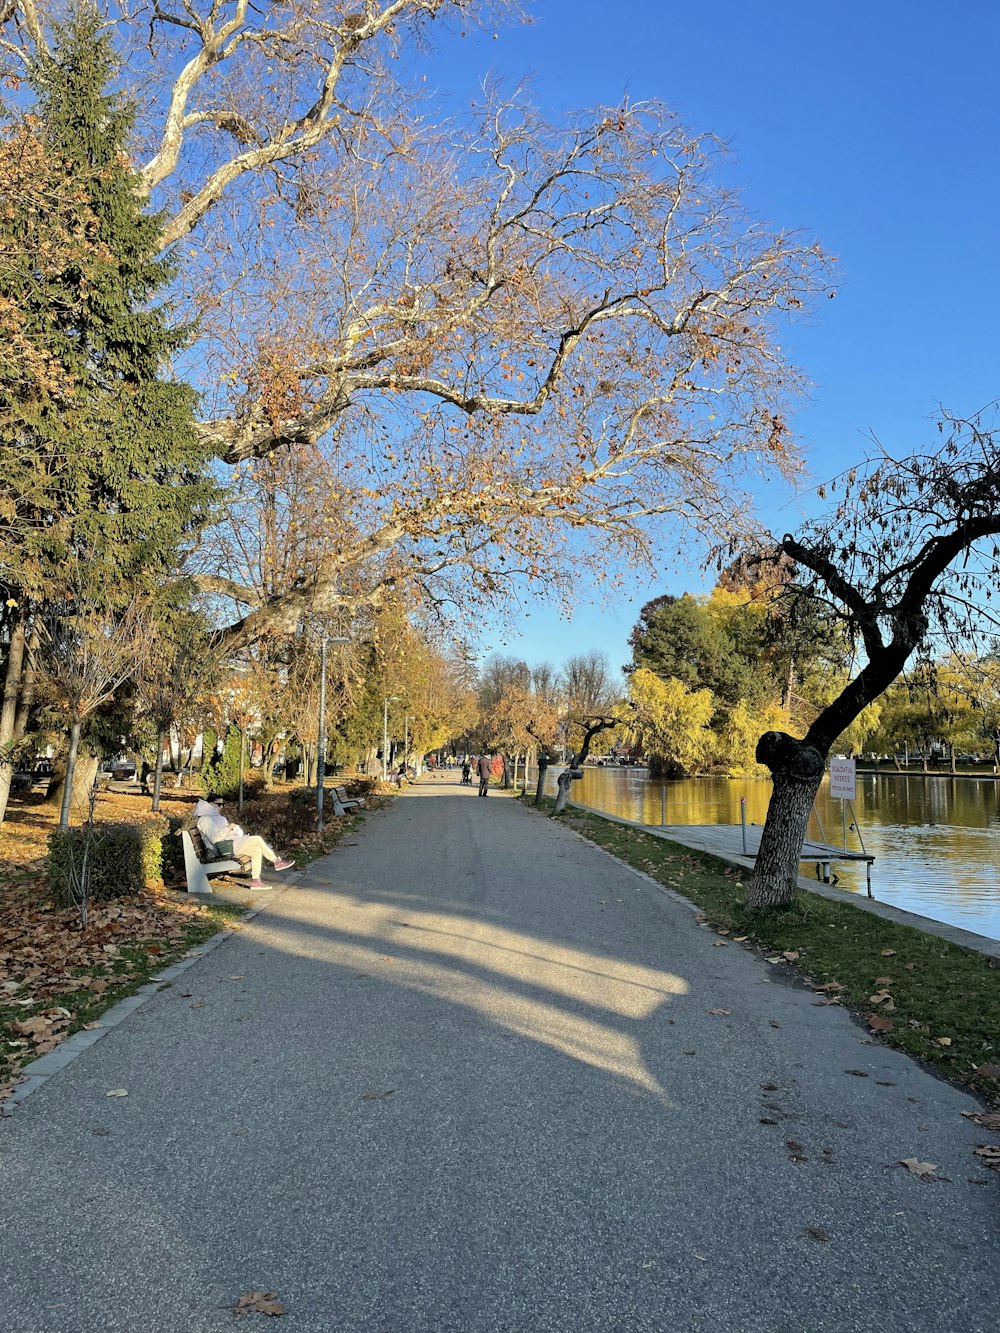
x=918, y=992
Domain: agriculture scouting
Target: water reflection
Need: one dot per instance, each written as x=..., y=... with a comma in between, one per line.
x=936, y=840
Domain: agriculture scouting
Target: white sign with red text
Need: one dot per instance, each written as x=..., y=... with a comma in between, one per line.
x=843, y=779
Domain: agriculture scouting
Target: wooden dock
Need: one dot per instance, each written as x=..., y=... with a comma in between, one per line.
x=726, y=841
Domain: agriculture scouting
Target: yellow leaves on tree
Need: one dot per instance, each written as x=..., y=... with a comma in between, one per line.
x=673, y=721
x=741, y=732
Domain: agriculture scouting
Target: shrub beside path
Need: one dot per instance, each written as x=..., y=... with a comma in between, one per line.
x=471, y=1073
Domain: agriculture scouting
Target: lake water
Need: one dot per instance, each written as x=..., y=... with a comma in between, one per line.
x=936, y=840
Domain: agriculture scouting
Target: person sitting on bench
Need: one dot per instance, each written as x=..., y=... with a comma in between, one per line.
x=214, y=828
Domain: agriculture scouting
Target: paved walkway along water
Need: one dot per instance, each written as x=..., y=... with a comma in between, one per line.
x=465, y=1075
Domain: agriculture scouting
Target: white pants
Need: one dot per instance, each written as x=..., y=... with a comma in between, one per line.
x=254, y=846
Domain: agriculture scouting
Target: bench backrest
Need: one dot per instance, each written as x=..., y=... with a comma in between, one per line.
x=205, y=851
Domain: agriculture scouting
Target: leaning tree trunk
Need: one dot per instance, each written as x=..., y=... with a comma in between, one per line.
x=8, y=711
x=273, y=751
x=796, y=770
x=563, y=783
x=540, y=785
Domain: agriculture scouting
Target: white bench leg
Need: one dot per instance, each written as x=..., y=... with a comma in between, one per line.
x=197, y=880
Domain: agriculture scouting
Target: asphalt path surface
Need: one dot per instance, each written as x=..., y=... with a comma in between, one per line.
x=465, y=1075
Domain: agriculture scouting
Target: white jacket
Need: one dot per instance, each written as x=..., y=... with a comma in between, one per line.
x=213, y=825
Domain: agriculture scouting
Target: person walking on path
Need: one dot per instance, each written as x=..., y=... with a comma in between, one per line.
x=214, y=827
x=485, y=770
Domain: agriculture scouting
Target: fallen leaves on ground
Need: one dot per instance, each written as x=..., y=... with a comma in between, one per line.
x=377, y=1096
x=985, y=1119
x=988, y=1070
x=117, y=1092
x=990, y=1154
x=258, y=1302
x=720, y=1012
x=816, y=1233
x=46, y=958
x=922, y=1170
x=879, y=1024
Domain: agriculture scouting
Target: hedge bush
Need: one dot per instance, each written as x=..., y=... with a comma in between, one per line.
x=359, y=786
x=124, y=858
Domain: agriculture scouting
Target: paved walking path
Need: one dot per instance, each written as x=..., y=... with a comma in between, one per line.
x=464, y=1076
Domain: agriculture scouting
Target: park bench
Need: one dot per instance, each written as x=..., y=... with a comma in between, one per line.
x=198, y=864
x=344, y=804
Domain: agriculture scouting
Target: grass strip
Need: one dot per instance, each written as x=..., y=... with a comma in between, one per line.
x=917, y=992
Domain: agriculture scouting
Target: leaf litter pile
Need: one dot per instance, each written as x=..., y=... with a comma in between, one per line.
x=56, y=978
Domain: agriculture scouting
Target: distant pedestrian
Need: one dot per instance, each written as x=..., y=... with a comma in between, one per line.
x=466, y=772
x=485, y=770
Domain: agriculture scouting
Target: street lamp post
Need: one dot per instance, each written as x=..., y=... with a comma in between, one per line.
x=321, y=734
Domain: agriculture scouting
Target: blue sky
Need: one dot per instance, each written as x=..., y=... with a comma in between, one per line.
x=873, y=127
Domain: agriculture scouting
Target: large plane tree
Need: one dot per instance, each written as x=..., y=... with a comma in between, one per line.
x=513, y=345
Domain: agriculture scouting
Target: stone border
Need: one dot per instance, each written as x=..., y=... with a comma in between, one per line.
x=966, y=939
x=38, y=1073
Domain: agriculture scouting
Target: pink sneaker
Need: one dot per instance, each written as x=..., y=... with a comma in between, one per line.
x=283, y=864
x=259, y=884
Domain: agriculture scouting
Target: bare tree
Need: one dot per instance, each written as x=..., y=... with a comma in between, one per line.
x=909, y=555
x=499, y=333
x=88, y=654
x=588, y=684
x=175, y=674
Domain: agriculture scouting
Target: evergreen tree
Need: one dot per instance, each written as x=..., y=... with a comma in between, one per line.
x=678, y=638
x=102, y=475
x=111, y=475
x=221, y=774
